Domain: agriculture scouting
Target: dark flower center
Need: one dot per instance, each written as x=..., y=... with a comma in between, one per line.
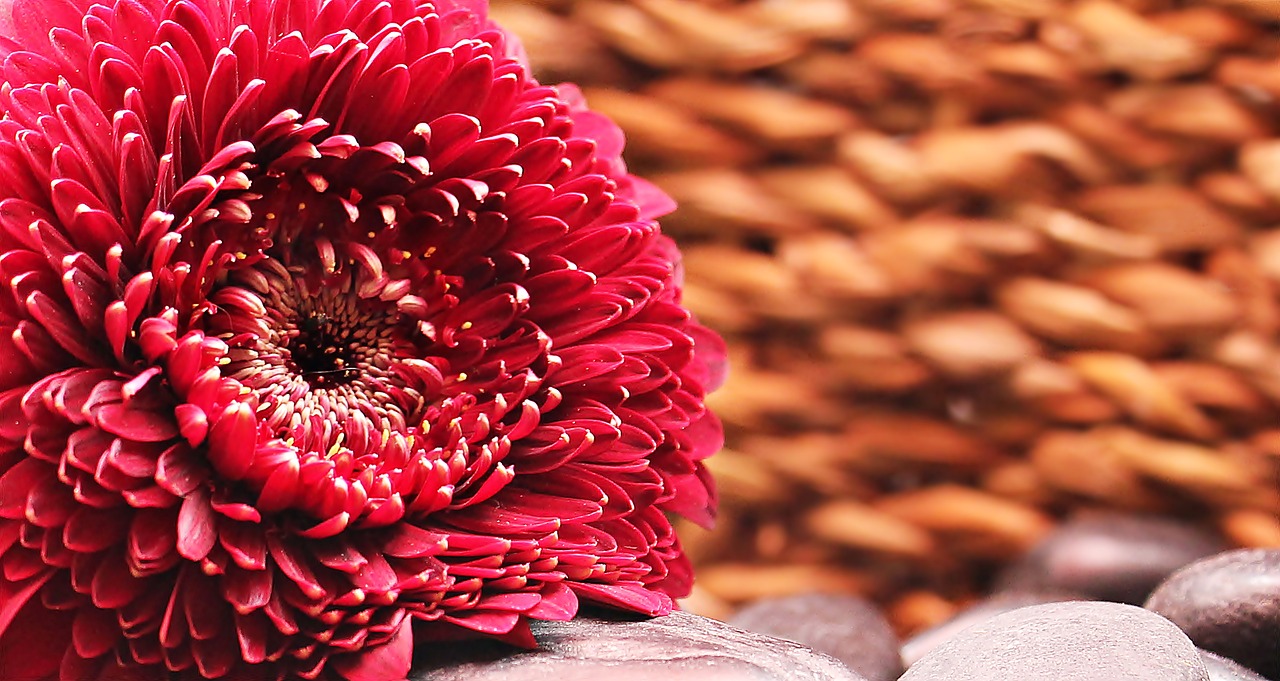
x=321, y=351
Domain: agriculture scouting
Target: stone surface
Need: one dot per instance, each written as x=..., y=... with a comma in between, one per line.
x=848, y=628
x=1223, y=669
x=1109, y=557
x=919, y=645
x=1230, y=605
x=673, y=648
x=1072, y=641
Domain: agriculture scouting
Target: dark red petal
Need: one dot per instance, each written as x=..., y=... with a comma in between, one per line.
x=294, y=564
x=140, y=425
x=246, y=545
x=197, y=526
x=13, y=596
x=248, y=590
x=178, y=471
x=90, y=530
x=252, y=633
x=17, y=483
x=32, y=639
x=113, y=585
x=153, y=537
x=94, y=632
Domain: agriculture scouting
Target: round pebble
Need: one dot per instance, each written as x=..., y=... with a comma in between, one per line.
x=919, y=645
x=1072, y=641
x=1109, y=556
x=848, y=628
x=678, y=647
x=1229, y=604
x=1223, y=669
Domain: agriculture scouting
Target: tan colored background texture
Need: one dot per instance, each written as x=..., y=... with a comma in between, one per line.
x=981, y=264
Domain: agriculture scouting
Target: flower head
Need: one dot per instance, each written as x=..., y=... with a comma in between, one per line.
x=324, y=327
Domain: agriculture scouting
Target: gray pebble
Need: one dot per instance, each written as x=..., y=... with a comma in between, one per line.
x=678, y=647
x=1109, y=556
x=919, y=645
x=1072, y=641
x=848, y=628
x=1230, y=605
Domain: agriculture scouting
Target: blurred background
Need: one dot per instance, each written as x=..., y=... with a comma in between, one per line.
x=982, y=265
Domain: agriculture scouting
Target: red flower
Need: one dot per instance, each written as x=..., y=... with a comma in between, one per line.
x=324, y=327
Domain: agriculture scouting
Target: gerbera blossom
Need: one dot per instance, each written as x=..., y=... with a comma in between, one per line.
x=324, y=329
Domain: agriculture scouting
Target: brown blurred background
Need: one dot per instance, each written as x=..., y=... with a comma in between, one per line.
x=981, y=264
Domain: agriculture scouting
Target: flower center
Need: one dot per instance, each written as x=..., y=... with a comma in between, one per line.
x=327, y=363
x=322, y=351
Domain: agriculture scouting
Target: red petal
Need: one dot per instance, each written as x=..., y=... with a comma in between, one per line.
x=113, y=586
x=233, y=440
x=139, y=425
x=18, y=482
x=516, y=602
x=94, y=632
x=652, y=201
x=295, y=566
x=281, y=487
x=90, y=530
x=178, y=471
x=376, y=575
x=385, y=662
x=558, y=603
x=520, y=636
x=14, y=596
x=248, y=590
x=197, y=528
x=192, y=423
x=246, y=544
x=34, y=646
x=627, y=597
x=486, y=622
x=252, y=631
x=152, y=537
x=409, y=541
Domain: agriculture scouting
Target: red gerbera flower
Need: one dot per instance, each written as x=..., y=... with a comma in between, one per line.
x=323, y=326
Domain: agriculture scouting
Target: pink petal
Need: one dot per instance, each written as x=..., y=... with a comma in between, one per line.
x=558, y=603
x=627, y=597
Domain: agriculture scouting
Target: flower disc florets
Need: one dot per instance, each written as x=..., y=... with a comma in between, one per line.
x=324, y=327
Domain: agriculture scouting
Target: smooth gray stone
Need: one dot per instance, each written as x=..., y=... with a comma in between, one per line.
x=919, y=645
x=1223, y=669
x=1109, y=556
x=1230, y=605
x=673, y=648
x=848, y=628
x=1072, y=641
